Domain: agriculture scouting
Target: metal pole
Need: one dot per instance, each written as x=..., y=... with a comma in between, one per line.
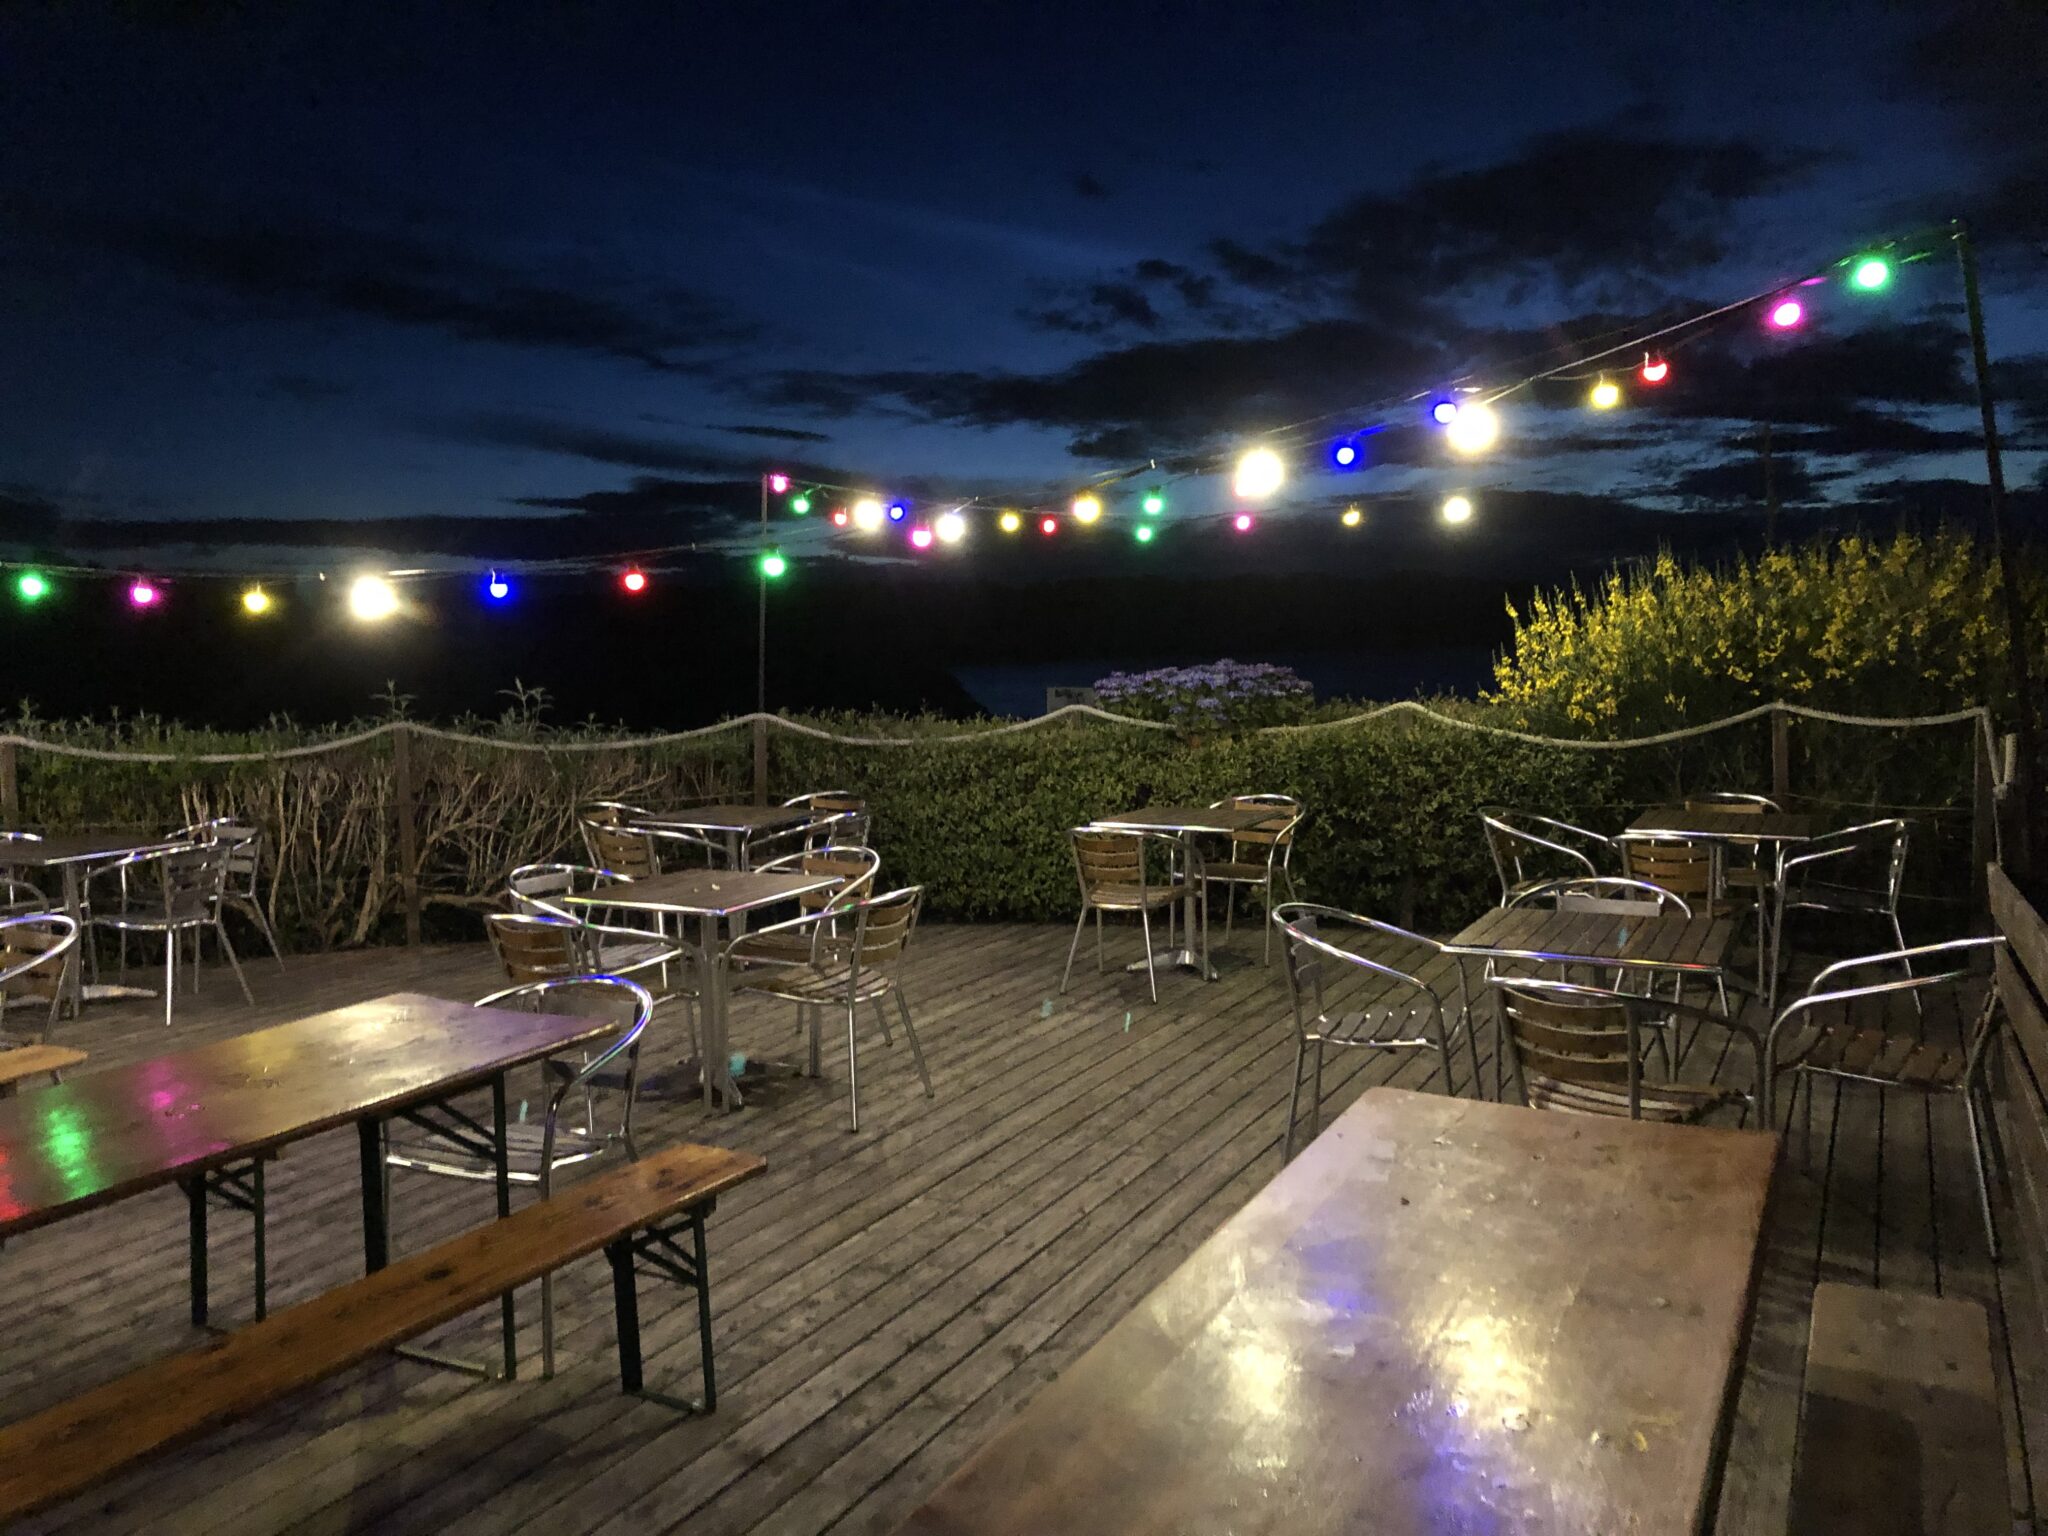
x=1770, y=493
x=2025, y=724
x=761, y=658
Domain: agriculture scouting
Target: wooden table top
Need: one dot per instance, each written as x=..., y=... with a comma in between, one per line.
x=1189, y=818
x=102, y=1136
x=703, y=892
x=1443, y=1316
x=77, y=847
x=1730, y=826
x=727, y=818
x=1598, y=936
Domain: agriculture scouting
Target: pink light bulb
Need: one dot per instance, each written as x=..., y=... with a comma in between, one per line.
x=1787, y=313
x=921, y=537
x=778, y=483
x=142, y=593
x=1242, y=522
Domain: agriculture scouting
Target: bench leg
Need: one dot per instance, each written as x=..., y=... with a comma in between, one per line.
x=658, y=1249
x=195, y=1224
x=500, y=1135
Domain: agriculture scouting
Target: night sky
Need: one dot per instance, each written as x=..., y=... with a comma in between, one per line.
x=601, y=265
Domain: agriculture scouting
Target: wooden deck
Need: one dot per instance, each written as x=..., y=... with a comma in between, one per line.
x=883, y=1301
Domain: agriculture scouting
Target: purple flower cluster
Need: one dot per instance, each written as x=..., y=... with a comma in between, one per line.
x=1223, y=695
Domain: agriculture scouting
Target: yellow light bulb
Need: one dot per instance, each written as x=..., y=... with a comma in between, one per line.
x=1259, y=474
x=1458, y=509
x=1009, y=522
x=372, y=598
x=256, y=601
x=951, y=527
x=868, y=514
x=1087, y=508
x=1353, y=516
x=1474, y=429
x=1606, y=395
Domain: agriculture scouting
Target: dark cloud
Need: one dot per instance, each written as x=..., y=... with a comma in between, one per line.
x=600, y=445
x=663, y=507
x=1869, y=434
x=291, y=266
x=1086, y=184
x=306, y=388
x=775, y=434
x=1740, y=482
x=1104, y=306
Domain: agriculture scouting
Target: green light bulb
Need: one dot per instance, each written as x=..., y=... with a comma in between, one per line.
x=31, y=586
x=1154, y=503
x=1143, y=534
x=800, y=504
x=1871, y=273
x=773, y=565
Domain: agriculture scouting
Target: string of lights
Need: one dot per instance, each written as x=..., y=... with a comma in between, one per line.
x=1463, y=412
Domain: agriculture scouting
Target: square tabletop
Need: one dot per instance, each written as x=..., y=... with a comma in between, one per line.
x=104, y=1135
x=1597, y=936
x=1719, y=823
x=1220, y=819
x=726, y=818
x=703, y=892
x=1444, y=1315
x=59, y=848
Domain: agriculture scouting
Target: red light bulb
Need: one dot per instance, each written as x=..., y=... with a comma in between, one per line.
x=634, y=580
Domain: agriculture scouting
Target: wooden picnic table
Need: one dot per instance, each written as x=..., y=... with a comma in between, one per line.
x=715, y=898
x=1187, y=822
x=206, y=1118
x=1444, y=1315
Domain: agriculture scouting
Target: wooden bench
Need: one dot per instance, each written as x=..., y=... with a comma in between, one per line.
x=1899, y=1433
x=634, y=1212
x=25, y=1061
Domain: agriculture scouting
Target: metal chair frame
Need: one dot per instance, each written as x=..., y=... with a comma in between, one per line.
x=193, y=908
x=1139, y=893
x=57, y=937
x=856, y=868
x=848, y=966
x=22, y=898
x=1950, y=961
x=540, y=1155
x=1616, y=1018
x=1301, y=941
x=242, y=889
x=1512, y=836
x=1795, y=893
x=1278, y=842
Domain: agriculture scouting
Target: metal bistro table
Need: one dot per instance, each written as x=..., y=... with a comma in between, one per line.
x=713, y=897
x=1187, y=822
x=736, y=824
x=1444, y=1315
x=1772, y=833
x=1682, y=948
x=72, y=855
x=207, y=1119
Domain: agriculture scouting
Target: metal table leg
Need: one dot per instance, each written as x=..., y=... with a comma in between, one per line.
x=500, y=1132
x=1190, y=955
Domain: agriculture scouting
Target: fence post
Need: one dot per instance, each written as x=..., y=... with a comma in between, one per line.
x=10, y=785
x=1983, y=836
x=760, y=759
x=408, y=829
x=1781, y=753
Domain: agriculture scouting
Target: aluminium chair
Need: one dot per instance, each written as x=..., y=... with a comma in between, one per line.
x=857, y=956
x=1585, y=1050
x=1116, y=876
x=605, y=941
x=1397, y=1010
x=852, y=870
x=36, y=949
x=170, y=893
x=243, y=888
x=1859, y=871
x=1528, y=849
x=1845, y=1026
x=837, y=817
x=536, y=1151
x=1258, y=859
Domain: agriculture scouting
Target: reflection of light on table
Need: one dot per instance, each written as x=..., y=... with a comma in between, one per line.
x=1259, y=1376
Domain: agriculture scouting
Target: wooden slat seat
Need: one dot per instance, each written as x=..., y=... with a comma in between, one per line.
x=630, y=1212
x=1884, y=1056
x=1899, y=1429
x=26, y=1061
x=1666, y=1103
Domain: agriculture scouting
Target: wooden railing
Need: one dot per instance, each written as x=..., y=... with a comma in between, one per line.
x=2021, y=1070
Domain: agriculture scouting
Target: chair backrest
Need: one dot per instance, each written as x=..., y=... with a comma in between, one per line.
x=881, y=930
x=1315, y=958
x=1106, y=859
x=1270, y=840
x=1612, y=895
x=1871, y=856
x=624, y=851
x=181, y=883
x=536, y=946
x=33, y=952
x=540, y=887
x=18, y=896
x=1573, y=1036
x=854, y=868
x=1687, y=869
x=1526, y=847
x=604, y=996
